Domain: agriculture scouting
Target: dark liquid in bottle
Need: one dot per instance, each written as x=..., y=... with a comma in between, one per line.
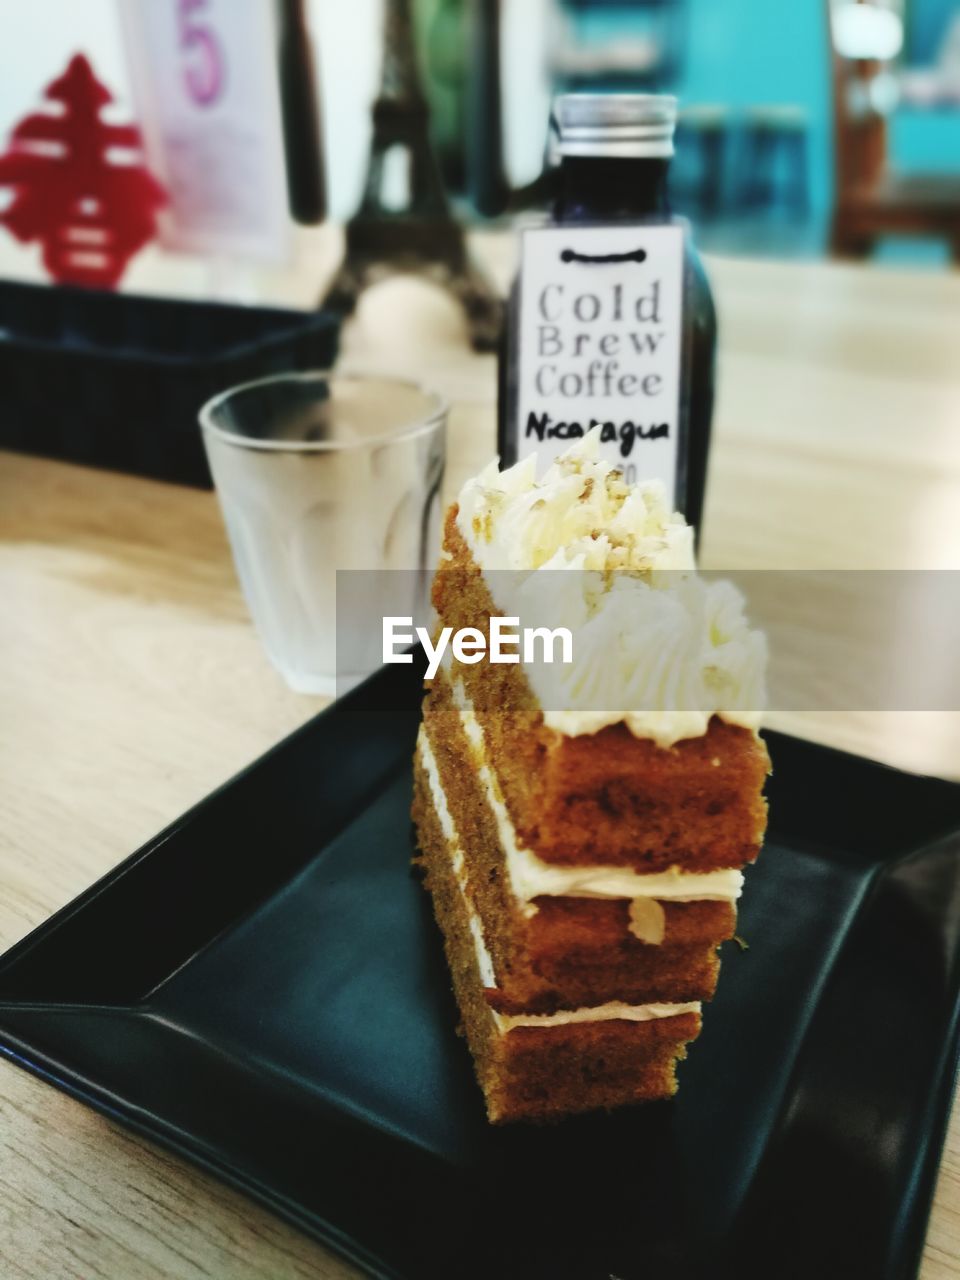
x=598, y=191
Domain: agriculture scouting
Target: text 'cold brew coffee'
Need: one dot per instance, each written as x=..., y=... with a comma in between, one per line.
x=611, y=322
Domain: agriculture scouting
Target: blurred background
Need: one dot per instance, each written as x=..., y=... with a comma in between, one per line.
x=797, y=135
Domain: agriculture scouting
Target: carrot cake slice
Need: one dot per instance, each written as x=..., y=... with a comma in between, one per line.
x=583, y=825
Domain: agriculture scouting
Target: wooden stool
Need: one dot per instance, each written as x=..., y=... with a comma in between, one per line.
x=871, y=198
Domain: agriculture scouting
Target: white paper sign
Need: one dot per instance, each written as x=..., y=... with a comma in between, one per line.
x=205, y=78
x=600, y=342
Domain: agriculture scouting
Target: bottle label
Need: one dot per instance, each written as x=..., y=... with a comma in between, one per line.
x=600, y=342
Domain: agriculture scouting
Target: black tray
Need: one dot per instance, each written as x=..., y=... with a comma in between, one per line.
x=115, y=380
x=263, y=990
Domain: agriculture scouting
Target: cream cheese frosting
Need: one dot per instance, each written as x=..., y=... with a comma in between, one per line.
x=506, y=1022
x=581, y=511
x=447, y=826
x=655, y=646
x=596, y=1013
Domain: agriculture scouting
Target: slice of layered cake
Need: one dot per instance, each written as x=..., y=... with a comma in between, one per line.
x=584, y=825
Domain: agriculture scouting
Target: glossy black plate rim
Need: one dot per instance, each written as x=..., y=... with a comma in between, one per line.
x=21, y=1053
x=312, y=1224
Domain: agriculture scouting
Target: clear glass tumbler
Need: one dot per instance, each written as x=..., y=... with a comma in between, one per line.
x=316, y=473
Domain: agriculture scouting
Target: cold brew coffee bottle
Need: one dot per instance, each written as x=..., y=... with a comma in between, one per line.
x=611, y=320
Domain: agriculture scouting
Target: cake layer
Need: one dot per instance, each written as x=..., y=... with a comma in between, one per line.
x=531, y=876
x=536, y=1074
x=694, y=906
x=609, y=796
x=559, y=953
x=543, y=1072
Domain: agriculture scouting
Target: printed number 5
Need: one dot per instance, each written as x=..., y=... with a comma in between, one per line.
x=204, y=74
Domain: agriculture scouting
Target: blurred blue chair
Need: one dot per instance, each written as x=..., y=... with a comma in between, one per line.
x=703, y=143
x=775, y=161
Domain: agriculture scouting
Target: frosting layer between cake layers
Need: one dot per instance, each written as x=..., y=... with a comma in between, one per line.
x=611, y=1011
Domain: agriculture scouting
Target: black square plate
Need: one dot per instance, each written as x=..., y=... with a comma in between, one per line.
x=262, y=989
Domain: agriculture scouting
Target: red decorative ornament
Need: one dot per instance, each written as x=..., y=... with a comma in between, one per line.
x=90, y=208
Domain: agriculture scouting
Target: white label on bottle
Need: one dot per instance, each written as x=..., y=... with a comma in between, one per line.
x=205, y=77
x=601, y=334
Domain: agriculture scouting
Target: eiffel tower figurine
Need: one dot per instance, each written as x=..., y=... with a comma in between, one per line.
x=421, y=236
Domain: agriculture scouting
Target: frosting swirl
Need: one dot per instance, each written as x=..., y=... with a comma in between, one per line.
x=656, y=646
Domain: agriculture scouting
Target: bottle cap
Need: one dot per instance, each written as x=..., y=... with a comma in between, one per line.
x=616, y=124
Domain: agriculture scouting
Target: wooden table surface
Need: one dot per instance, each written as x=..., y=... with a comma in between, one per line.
x=131, y=682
